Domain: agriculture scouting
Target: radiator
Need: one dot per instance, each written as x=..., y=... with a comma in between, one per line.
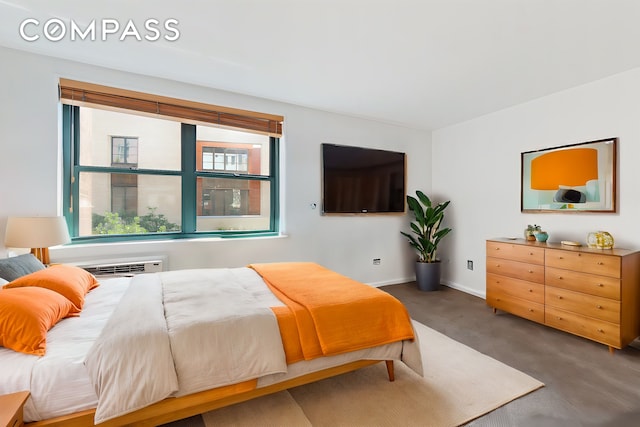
x=123, y=268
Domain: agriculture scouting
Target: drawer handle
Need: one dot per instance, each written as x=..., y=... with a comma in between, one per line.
x=530, y=271
x=497, y=265
x=559, y=277
x=531, y=310
x=559, y=318
x=559, y=296
x=497, y=249
x=600, y=263
x=560, y=257
x=600, y=285
x=600, y=330
x=530, y=290
x=599, y=306
x=530, y=253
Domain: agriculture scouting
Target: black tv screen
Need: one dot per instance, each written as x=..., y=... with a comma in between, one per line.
x=362, y=180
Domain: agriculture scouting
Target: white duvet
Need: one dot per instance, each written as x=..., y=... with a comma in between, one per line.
x=180, y=332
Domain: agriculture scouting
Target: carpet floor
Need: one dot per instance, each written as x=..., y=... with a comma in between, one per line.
x=459, y=385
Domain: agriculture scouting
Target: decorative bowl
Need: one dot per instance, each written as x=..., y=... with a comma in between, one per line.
x=541, y=236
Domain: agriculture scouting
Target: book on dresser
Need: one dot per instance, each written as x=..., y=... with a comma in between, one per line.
x=593, y=293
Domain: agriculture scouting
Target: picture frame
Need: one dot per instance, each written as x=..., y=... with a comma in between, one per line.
x=578, y=177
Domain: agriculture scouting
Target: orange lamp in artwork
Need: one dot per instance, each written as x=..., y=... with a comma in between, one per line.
x=572, y=167
x=37, y=233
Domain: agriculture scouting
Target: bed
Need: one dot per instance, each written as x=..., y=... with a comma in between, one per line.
x=159, y=347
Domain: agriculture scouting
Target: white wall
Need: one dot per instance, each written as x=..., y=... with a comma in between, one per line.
x=476, y=164
x=30, y=169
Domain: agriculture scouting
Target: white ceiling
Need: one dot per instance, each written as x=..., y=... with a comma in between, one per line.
x=420, y=63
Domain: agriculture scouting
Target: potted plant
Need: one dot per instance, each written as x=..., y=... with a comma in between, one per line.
x=530, y=232
x=425, y=237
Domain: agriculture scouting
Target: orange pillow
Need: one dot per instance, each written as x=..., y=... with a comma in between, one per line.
x=26, y=314
x=68, y=280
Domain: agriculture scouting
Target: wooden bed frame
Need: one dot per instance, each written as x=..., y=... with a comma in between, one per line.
x=173, y=409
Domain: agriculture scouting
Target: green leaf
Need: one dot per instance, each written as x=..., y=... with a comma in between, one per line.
x=416, y=229
x=423, y=198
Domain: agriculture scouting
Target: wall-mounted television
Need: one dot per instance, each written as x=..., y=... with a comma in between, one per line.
x=362, y=180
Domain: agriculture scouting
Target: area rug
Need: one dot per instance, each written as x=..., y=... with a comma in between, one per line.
x=459, y=385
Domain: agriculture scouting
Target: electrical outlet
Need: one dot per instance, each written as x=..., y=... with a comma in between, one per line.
x=376, y=261
x=469, y=264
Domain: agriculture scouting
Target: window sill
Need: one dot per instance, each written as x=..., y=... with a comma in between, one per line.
x=160, y=241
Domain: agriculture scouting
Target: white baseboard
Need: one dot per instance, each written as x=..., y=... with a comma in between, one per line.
x=391, y=282
x=466, y=289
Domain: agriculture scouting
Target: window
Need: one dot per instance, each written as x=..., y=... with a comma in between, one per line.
x=225, y=159
x=228, y=194
x=129, y=173
x=207, y=158
x=124, y=194
x=124, y=187
x=124, y=151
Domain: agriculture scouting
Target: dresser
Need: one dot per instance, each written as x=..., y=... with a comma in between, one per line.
x=592, y=293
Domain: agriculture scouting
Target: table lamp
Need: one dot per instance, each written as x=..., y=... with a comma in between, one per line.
x=37, y=233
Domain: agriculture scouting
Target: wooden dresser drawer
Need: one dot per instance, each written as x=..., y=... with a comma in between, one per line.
x=602, y=286
x=594, y=329
x=515, y=252
x=518, y=270
x=518, y=306
x=516, y=287
x=588, y=305
x=605, y=265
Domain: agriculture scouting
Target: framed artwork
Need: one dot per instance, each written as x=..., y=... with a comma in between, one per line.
x=571, y=178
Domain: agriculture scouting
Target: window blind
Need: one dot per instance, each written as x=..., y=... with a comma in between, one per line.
x=87, y=94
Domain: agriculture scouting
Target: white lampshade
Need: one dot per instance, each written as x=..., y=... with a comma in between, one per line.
x=36, y=232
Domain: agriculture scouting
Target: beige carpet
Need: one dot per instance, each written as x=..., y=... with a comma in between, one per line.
x=460, y=384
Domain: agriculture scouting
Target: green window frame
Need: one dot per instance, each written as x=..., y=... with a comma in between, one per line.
x=188, y=174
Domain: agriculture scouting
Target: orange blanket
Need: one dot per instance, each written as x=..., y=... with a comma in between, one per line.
x=328, y=314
